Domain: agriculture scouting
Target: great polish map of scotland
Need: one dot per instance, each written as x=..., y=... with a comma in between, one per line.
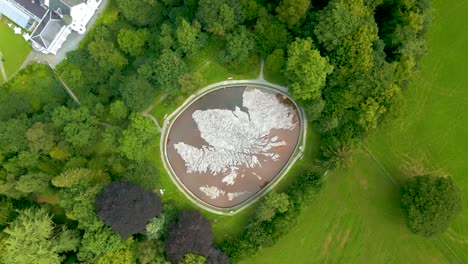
x=227, y=153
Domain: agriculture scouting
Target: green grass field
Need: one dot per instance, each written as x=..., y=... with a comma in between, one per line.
x=14, y=49
x=356, y=218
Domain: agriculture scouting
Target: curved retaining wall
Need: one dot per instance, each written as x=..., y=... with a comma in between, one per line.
x=168, y=120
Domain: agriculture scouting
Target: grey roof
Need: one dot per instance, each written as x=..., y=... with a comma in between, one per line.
x=16, y=15
x=35, y=7
x=63, y=6
x=48, y=29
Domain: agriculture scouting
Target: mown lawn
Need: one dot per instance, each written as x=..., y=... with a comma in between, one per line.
x=356, y=218
x=14, y=49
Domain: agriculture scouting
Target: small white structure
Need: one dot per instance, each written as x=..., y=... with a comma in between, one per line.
x=50, y=21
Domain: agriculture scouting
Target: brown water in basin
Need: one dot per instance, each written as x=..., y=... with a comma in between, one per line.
x=250, y=178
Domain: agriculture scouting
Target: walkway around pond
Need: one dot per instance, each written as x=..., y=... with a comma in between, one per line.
x=172, y=116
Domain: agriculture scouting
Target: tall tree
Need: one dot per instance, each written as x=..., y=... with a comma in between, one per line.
x=127, y=208
x=292, y=12
x=141, y=12
x=219, y=16
x=306, y=70
x=192, y=233
x=272, y=203
x=133, y=41
x=270, y=33
x=239, y=46
x=78, y=126
x=138, y=139
x=136, y=92
x=33, y=238
x=187, y=36
x=169, y=67
x=430, y=203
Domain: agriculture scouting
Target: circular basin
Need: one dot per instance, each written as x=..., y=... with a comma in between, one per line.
x=230, y=143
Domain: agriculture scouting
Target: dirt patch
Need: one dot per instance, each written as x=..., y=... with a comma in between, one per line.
x=363, y=184
x=326, y=246
x=345, y=239
x=50, y=200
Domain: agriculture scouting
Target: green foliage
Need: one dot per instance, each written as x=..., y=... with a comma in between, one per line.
x=169, y=67
x=191, y=258
x=121, y=256
x=340, y=19
x=430, y=203
x=239, y=46
x=249, y=9
x=141, y=12
x=118, y=110
x=138, y=139
x=98, y=241
x=136, y=92
x=6, y=211
x=191, y=81
x=33, y=183
x=269, y=33
x=155, y=226
x=219, y=16
x=150, y=251
x=133, y=41
x=12, y=135
x=41, y=137
x=292, y=12
x=275, y=62
x=306, y=70
x=272, y=204
x=187, y=36
x=106, y=55
x=78, y=126
x=33, y=238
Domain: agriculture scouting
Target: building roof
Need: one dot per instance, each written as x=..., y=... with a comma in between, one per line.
x=35, y=7
x=14, y=14
x=63, y=6
x=48, y=29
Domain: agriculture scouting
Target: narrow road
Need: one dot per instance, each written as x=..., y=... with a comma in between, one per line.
x=2, y=69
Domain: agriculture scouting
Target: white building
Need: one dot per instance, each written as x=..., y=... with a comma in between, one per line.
x=50, y=21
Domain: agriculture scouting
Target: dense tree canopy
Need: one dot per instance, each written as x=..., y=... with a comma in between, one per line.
x=33, y=238
x=127, y=207
x=306, y=69
x=192, y=233
x=430, y=203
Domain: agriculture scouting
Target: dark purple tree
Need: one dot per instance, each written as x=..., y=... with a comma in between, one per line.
x=126, y=208
x=192, y=233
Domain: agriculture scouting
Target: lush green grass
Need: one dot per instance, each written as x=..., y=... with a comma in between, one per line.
x=14, y=49
x=363, y=201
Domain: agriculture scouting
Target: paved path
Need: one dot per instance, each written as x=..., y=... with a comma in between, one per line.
x=65, y=86
x=2, y=69
x=70, y=44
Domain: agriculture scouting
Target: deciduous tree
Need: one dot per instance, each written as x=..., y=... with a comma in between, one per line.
x=138, y=139
x=292, y=12
x=192, y=233
x=430, y=203
x=306, y=70
x=33, y=238
x=126, y=208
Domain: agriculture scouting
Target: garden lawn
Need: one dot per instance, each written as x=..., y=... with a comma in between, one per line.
x=356, y=218
x=14, y=49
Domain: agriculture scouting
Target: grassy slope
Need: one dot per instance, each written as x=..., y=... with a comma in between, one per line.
x=14, y=48
x=363, y=201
